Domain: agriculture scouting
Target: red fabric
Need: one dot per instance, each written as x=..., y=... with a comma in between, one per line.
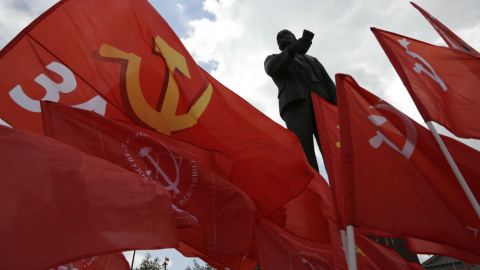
x=219, y=261
x=280, y=249
x=369, y=254
x=306, y=216
x=326, y=116
x=113, y=261
x=136, y=69
x=198, y=180
x=443, y=82
x=452, y=40
x=425, y=247
x=396, y=179
x=59, y=205
x=195, y=249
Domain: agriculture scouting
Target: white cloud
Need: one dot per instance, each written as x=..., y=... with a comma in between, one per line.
x=243, y=34
x=423, y=257
x=15, y=15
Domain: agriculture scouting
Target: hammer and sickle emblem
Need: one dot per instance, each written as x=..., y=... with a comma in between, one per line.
x=165, y=121
x=146, y=152
x=357, y=250
x=411, y=139
x=419, y=68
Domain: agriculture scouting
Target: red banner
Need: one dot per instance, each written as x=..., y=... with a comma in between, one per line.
x=59, y=205
x=443, y=82
x=395, y=176
x=369, y=254
x=218, y=261
x=425, y=247
x=280, y=249
x=120, y=59
x=198, y=180
x=326, y=116
x=307, y=215
x=113, y=261
x=448, y=36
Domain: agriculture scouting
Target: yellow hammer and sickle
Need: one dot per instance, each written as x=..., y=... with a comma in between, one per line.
x=166, y=121
x=358, y=250
x=338, y=143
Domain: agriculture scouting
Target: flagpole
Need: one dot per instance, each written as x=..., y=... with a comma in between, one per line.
x=352, y=254
x=455, y=169
x=344, y=242
x=69, y=266
x=133, y=259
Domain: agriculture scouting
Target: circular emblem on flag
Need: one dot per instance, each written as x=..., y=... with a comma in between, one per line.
x=171, y=167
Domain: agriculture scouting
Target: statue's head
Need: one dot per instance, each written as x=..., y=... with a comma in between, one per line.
x=285, y=38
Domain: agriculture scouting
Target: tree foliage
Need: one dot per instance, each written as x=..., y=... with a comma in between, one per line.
x=150, y=264
x=197, y=266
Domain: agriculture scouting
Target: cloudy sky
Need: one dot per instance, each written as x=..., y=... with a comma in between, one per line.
x=231, y=38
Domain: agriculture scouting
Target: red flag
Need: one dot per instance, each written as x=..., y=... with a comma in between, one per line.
x=443, y=82
x=370, y=254
x=59, y=205
x=125, y=62
x=113, y=261
x=166, y=259
x=448, y=36
x=307, y=215
x=396, y=178
x=198, y=180
x=326, y=117
x=425, y=247
x=218, y=261
x=280, y=249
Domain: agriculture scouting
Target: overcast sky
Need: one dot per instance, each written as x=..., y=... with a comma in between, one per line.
x=230, y=39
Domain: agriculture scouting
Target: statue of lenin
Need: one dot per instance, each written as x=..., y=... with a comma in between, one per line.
x=296, y=74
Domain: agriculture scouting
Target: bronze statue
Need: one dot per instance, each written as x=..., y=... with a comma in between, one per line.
x=296, y=74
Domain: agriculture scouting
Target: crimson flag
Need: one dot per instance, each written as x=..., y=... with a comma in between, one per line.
x=425, y=247
x=218, y=261
x=326, y=117
x=280, y=249
x=120, y=59
x=369, y=254
x=113, y=261
x=448, y=36
x=59, y=205
x=395, y=177
x=307, y=215
x=443, y=82
x=198, y=180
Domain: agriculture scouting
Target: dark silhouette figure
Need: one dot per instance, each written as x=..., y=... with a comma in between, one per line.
x=296, y=75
